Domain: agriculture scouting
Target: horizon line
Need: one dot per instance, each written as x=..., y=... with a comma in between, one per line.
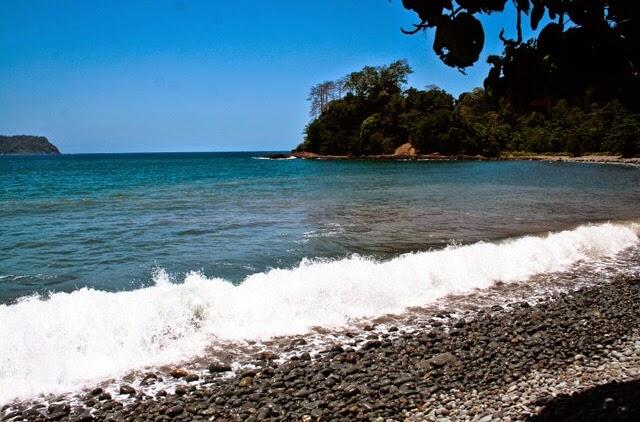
x=151, y=152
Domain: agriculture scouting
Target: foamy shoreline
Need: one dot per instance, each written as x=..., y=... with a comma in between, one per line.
x=487, y=278
x=507, y=362
x=68, y=340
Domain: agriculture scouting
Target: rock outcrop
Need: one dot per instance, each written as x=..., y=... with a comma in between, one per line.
x=25, y=144
x=405, y=150
x=305, y=154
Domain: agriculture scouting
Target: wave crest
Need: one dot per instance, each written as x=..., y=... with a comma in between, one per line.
x=56, y=344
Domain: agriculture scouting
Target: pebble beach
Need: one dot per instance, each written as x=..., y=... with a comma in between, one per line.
x=571, y=356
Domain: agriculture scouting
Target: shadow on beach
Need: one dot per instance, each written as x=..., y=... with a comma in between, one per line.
x=616, y=401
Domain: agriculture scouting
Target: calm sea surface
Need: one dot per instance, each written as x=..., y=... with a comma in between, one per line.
x=109, y=221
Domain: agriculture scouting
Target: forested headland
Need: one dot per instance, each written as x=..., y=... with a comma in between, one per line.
x=574, y=87
x=373, y=112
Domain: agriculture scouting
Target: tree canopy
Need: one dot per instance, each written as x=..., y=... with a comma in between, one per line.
x=588, y=46
x=372, y=112
x=573, y=88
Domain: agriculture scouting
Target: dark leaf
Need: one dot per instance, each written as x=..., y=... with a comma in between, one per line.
x=429, y=12
x=586, y=12
x=487, y=6
x=555, y=7
x=550, y=38
x=459, y=41
x=522, y=5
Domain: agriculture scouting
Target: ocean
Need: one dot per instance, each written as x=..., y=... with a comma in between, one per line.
x=114, y=262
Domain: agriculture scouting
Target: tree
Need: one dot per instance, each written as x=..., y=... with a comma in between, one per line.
x=393, y=78
x=624, y=138
x=320, y=95
x=588, y=45
x=377, y=115
x=372, y=81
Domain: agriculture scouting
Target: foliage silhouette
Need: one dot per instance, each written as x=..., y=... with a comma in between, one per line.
x=587, y=45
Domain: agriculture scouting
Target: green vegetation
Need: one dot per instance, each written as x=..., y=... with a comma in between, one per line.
x=371, y=112
x=574, y=88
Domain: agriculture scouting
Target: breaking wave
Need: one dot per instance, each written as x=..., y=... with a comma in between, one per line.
x=65, y=340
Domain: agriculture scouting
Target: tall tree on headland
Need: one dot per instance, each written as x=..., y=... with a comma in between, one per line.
x=371, y=81
x=320, y=95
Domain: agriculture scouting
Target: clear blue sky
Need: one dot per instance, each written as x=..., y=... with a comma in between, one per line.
x=186, y=75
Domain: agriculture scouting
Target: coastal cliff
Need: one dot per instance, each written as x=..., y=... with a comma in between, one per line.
x=25, y=144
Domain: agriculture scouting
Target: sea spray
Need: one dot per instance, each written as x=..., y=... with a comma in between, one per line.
x=68, y=339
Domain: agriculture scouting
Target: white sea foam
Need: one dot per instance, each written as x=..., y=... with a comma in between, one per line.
x=274, y=159
x=332, y=229
x=69, y=339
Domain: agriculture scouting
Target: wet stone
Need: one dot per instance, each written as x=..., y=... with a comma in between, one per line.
x=305, y=356
x=84, y=417
x=174, y=411
x=191, y=378
x=127, y=389
x=245, y=382
x=56, y=416
x=444, y=359
x=14, y=414
x=179, y=373
x=215, y=368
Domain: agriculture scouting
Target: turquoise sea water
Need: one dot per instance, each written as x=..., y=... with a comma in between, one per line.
x=109, y=221
x=116, y=263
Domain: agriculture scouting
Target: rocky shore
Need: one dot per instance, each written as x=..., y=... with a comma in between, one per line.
x=601, y=159
x=401, y=156
x=572, y=356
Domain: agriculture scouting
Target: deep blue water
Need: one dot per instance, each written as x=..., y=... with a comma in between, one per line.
x=107, y=221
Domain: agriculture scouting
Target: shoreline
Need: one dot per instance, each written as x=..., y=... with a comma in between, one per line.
x=508, y=362
x=593, y=159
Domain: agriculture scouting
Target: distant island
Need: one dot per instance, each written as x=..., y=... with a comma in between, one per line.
x=26, y=145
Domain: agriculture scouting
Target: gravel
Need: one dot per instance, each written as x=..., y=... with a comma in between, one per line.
x=571, y=357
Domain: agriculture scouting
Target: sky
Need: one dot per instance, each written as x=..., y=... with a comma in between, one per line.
x=187, y=75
